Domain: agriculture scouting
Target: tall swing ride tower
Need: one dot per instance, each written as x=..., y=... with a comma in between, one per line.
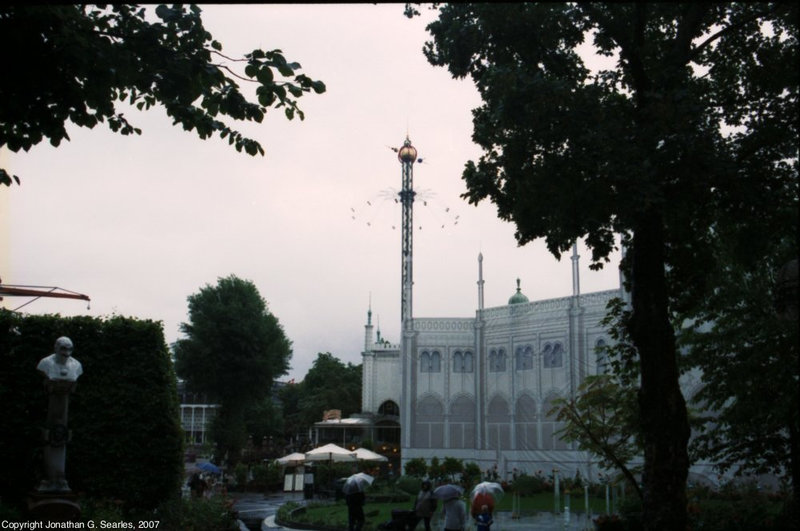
x=407, y=155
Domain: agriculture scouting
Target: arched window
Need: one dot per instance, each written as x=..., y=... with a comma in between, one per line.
x=553, y=355
x=462, y=361
x=498, y=420
x=436, y=361
x=468, y=361
x=551, y=440
x=547, y=356
x=458, y=361
x=524, y=358
x=602, y=356
x=462, y=423
x=497, y=360
x=425, y=361
x=430, y=361
x=429, y=426
x=558, y=355
x=526, y=423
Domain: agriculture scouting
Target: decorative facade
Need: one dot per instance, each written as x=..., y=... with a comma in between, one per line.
x=481, y=388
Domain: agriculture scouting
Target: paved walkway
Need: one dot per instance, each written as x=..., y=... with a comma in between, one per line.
x=267, y=507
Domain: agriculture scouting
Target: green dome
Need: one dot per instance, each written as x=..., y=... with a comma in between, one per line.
x=518, y=297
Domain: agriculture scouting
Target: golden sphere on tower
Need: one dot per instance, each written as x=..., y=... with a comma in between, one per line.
x=407, y=153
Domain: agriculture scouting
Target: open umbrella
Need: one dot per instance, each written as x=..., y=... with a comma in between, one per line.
x=357, y=483
x=211, y=468
x=292, y=459
x=331, y=453
x=494, y=490
x=486, y=493
x=447, y=492
x=368, y=455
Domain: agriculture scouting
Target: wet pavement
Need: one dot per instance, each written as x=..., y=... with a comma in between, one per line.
x=257, y=512
x=254, y=508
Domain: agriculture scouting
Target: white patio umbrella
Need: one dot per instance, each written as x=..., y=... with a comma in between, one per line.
x=332, y=453
x=368, y=455
x=292, y=459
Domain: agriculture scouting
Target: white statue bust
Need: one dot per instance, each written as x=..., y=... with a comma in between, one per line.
x=61, y=365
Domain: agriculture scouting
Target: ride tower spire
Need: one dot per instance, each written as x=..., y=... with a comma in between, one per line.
x=407, y=155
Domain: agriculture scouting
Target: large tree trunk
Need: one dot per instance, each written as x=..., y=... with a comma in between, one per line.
x=664, y=419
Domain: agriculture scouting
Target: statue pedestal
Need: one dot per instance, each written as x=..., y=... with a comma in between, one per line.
x=54, y=507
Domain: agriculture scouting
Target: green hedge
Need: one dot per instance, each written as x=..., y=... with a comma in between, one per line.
x=127, y=442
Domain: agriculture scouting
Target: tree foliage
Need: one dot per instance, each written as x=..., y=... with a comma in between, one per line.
x=750, y=365
x=416, y=467
x=233, y=350
x=329, y=384
x=603, y=419
x=81, y=63
x=693, y=126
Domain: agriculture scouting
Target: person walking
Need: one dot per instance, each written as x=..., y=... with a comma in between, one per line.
x=424, y=506
x=483, y=521
x=355, y=511
x=455, y=514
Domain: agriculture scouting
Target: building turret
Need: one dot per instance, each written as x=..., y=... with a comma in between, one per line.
x=518, y=297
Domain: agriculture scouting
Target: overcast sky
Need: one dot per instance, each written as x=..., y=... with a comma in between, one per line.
x=140, y=223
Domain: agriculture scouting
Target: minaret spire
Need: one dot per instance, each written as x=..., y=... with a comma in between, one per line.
x=368, y=327
x=576, y=283
x=480, y=281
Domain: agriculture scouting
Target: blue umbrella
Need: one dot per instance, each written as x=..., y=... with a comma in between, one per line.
x=211, y=468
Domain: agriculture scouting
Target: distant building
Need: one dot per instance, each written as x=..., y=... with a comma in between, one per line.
x=196, y=415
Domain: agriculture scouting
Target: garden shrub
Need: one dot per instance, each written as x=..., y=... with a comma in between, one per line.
x=409, y=484
x=416, y=467
x=526, y=485
x=198, y=514
x=127, y=442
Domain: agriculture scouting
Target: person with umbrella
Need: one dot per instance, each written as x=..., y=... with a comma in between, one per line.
x=455, y=514
x=353, y=489
x=424, y=506
x=485, y=493
x=197, y=485
x=454, y=509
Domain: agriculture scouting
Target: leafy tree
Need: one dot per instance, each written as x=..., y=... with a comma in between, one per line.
x=290, y=396
x=233, y=350
x=262, y=420
x=752, y=423
x=471, y=474
x=603, y=419
x=416, y=467
x=693, y=125
x=452, y=467
x=77, y=63
x=329, y=384
x=436, y=470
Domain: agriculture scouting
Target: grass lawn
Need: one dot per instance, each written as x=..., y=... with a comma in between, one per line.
x=335, y=514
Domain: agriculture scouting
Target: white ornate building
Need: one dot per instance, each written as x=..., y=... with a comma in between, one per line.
x=480, y=388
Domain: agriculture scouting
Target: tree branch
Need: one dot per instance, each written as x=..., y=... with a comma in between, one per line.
x=727, y=29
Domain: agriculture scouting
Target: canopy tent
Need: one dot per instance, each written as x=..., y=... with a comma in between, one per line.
x=331, y=452
x=368, y=455
x=293, y=459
